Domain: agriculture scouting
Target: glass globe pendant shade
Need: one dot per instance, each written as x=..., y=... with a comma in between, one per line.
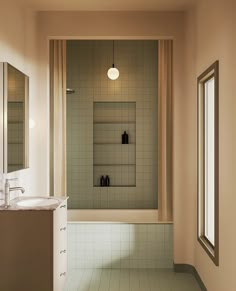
x=113, y=73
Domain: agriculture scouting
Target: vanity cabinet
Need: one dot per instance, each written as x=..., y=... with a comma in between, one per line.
x=33, y=249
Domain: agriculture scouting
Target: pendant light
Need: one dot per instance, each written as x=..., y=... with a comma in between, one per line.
x=113, y=72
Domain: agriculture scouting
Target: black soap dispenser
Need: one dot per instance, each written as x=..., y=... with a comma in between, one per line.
x=125, y=138
x=102, y=181
x=107, y=181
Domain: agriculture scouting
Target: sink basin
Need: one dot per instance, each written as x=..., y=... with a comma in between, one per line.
x=36, y=202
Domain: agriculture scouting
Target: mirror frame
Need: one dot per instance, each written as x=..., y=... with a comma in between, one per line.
x=4, y=122
x=211, y=250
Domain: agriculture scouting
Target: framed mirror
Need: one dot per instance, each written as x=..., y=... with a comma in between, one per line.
x=208, y=161
x=14, y=97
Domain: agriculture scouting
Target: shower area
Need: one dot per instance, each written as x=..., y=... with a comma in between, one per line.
x=117, y=151
x=104, y=171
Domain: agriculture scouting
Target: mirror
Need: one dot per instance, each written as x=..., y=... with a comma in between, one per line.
x=14, y=91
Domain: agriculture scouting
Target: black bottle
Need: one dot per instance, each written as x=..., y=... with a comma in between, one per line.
x=125, y=138
x=107, y=181
x=102, y=181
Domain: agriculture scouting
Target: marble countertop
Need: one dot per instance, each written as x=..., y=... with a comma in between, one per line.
x=54, y=202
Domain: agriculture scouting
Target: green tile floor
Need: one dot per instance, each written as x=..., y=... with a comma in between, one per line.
x=129, y=280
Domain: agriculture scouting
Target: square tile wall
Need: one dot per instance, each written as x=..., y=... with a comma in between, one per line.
x=120, y=245
x=87, y=65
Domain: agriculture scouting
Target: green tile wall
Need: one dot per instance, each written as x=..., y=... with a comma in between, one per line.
x=87, y=65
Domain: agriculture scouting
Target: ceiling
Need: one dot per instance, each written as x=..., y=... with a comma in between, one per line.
x=108, y=5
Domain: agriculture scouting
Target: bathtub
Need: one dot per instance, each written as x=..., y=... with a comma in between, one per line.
x=114, y=216
x=118, y=238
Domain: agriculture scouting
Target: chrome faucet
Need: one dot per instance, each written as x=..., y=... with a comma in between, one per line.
x=9, y=189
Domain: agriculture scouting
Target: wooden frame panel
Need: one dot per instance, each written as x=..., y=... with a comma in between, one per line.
x=212, y=250
x=4, y=99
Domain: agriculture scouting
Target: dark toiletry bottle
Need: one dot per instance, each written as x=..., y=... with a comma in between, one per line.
x=107, y=180
x=102, y=181
x=125, y=138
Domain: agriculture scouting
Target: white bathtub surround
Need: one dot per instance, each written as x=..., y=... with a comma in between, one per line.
x=114, y=215
x=118, y=246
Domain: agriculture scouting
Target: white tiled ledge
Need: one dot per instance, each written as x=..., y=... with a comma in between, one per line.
x=114, y=216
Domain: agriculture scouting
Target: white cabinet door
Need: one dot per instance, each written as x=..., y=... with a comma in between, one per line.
x=60, y=246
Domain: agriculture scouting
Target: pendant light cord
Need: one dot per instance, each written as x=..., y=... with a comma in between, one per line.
x=113, y=54
x=113, y=72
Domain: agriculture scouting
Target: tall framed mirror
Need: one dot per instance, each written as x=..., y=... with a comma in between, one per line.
x=208, y=161
x=14, y=96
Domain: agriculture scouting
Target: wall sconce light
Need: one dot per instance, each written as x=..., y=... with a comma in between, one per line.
x=113, y=72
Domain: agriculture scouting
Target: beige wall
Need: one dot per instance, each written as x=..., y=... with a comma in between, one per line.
x=200, y=37
x=18, y=46
x=211, y=29
x=118, y=25
x=185, y=149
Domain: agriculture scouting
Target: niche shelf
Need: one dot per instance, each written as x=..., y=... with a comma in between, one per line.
x=110, y=156
x=115, y=122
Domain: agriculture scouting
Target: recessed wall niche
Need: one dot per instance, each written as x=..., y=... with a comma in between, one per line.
x=136, y=87
x=113, y=156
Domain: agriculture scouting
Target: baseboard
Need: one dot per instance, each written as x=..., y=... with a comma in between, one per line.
x=185, y=268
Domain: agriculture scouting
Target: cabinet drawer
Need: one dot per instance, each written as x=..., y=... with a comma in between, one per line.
x=60, y=228
x=60, y=215
x=60, y=272
x=60, y=237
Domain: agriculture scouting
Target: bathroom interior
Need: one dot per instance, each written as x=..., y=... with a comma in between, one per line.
x=117, y=160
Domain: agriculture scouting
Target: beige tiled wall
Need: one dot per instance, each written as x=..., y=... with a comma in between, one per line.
x=120, y=245
x=87, y=65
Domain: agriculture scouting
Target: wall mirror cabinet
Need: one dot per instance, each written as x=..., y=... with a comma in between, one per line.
x=14, y=97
